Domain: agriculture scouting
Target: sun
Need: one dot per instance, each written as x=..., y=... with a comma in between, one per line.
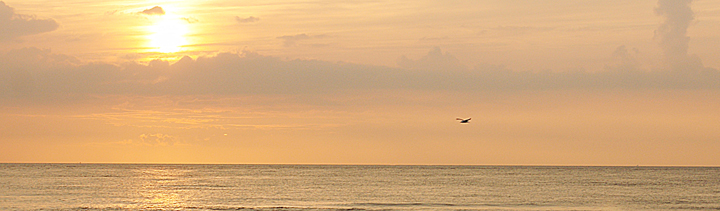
x=167, y=34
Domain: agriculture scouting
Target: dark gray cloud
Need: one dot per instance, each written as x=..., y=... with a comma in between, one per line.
x=251, y=19
x=17, y=25
x=157, y=10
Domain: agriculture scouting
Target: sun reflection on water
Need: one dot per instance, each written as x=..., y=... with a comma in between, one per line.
x=161, y=189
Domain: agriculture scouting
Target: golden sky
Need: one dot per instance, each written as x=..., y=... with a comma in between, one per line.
x=361, y=82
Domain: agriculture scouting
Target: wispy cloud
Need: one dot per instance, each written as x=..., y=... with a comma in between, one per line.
x=291, y=40
x=251, y=19
x=14, y=25
x=521, y=30
x=435, y=60
x=190, y=19
x=157, y=139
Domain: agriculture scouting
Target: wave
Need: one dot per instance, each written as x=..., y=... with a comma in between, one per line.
x=213, y=208
x=410, y=204
x=372, y=206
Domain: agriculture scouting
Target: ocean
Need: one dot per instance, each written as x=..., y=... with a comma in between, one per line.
x=350, y=187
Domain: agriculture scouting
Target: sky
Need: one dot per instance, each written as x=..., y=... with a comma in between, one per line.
x=560, y=82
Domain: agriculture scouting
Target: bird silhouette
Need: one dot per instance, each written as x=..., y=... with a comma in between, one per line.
x=463, y=121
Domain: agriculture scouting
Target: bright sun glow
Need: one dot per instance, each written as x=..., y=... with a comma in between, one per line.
x=167, y=34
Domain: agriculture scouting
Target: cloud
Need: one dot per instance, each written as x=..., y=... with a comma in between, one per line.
x=40, y=75
x=250, y=19
x=672, y=34
x=289, y=41
x=684, y=69
x=434, y=60
x=624, y=59
x=156, y=139
x=157, y=10
x=190, y=19
x=520, y=30
x=17, y=25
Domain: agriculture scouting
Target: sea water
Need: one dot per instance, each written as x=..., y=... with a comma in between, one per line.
x=341, y=187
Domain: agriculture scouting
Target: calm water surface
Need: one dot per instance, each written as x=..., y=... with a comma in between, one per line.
x=316, y=187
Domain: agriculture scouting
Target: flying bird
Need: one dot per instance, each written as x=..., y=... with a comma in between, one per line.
x=463, y=121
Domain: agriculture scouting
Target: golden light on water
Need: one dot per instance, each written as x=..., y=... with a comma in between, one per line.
x=157, y=191
x=167, y=34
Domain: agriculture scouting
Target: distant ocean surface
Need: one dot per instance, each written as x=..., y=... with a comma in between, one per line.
x=338, y=187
